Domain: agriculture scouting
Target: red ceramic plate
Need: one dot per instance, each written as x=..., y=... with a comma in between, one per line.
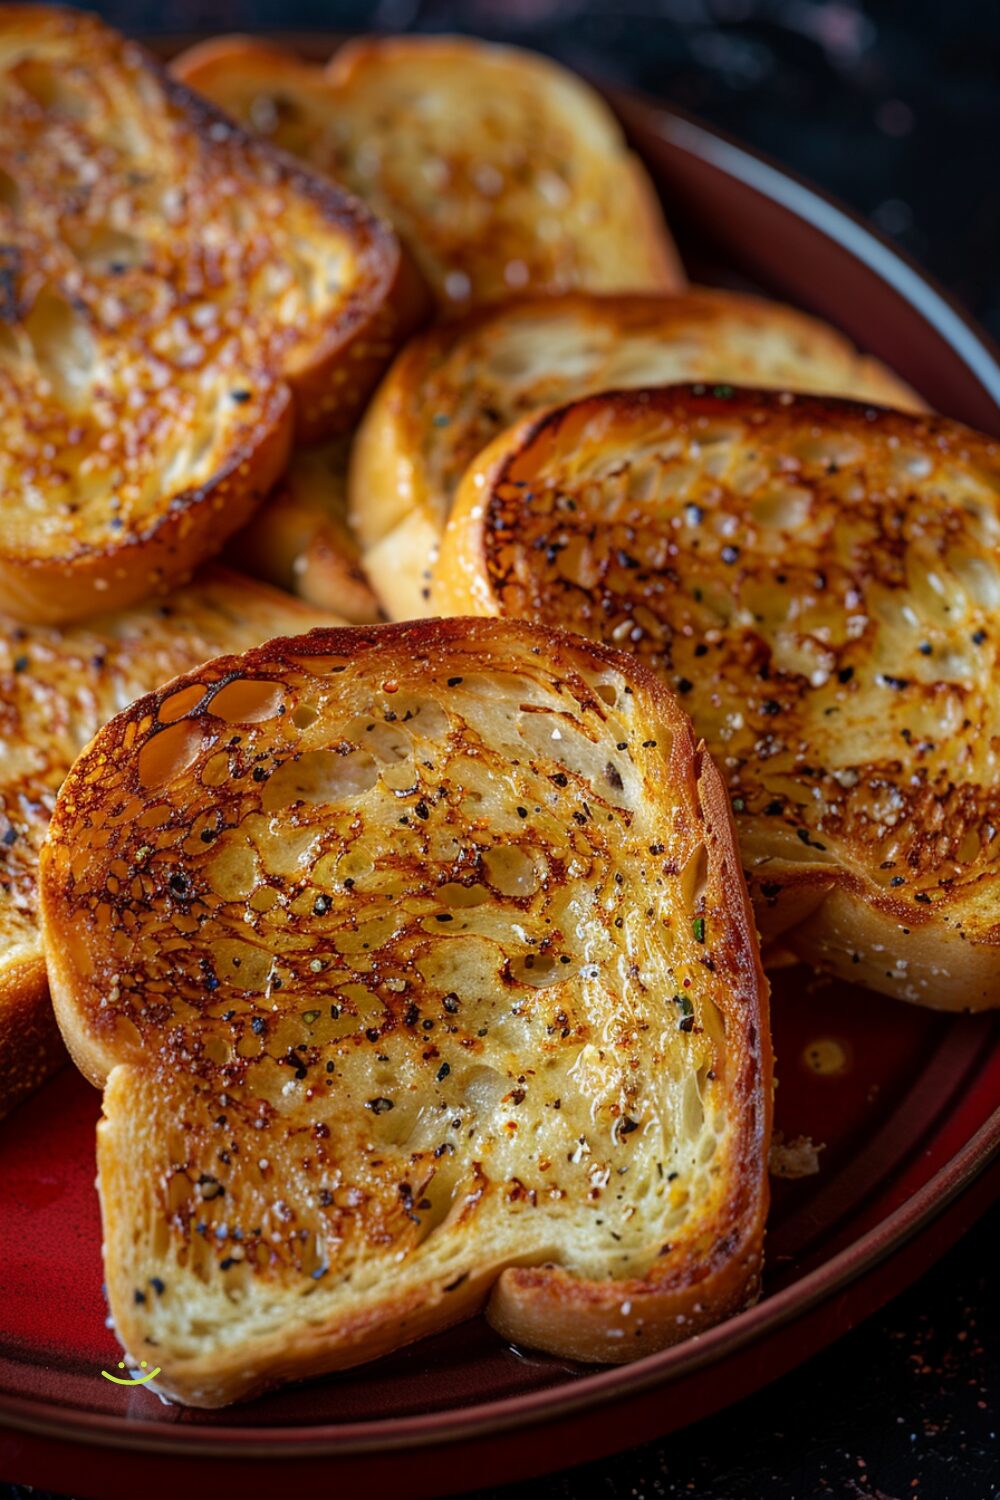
x=908, y=1122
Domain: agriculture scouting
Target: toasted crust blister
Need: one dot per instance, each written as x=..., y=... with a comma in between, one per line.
x=500, y=170
x=453, y=389
x=176, y=296
x=820, y=580
x=58, y=686
x=419, y=971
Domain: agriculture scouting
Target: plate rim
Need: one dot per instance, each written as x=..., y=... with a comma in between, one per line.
x=834, y=218
x=616, y=1382
x=919, y=288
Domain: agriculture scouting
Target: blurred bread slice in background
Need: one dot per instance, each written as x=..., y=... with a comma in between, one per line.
x=57, y=687
x=177, y=297
x=502, y=172
x=300, y=538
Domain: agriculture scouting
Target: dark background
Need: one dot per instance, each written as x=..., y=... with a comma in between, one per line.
x=894, y=107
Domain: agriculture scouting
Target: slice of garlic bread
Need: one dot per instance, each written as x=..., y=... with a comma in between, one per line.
x=300, y=538
x=173, y=295
x=500, y=170
x=57, y=687
x=453, y=389
x=821, y=581
x=419, y=971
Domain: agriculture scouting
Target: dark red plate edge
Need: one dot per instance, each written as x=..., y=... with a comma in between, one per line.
x=618, y=1382
x=832, y=217
x=981, y=355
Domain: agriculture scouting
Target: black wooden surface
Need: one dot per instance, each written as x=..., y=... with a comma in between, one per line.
x=895, y=107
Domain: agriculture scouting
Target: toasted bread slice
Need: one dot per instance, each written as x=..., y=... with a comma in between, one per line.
x=454, y=389
x=57, y=688
x=820, y=580
x=419, y=971
x=173, y=293
x=501, y=171
x=301, y=540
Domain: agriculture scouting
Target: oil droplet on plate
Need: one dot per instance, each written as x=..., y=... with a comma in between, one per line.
x=826, y=1055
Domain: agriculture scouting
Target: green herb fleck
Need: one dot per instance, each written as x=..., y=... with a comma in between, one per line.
x=686, y=1022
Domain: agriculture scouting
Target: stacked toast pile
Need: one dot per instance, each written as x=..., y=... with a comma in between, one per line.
x=406, y=891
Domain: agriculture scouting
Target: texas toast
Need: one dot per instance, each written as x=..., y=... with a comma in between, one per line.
x=174, y=296
x=454, y=389
x=819, y=580
x=419, y=973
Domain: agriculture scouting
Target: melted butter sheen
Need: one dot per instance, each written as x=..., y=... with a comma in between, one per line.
x=417, y=941
x=819, y=588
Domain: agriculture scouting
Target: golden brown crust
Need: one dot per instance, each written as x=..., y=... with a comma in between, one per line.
x=393, y=947
x=454, y=389
x=508, y=174
x=820, y=580
x=331, y=391
x=166, y=284
x=298, y=1350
